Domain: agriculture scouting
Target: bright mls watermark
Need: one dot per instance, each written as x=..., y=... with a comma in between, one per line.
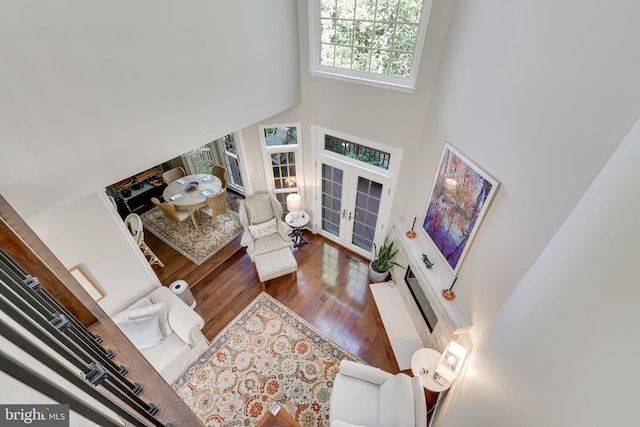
x=34, y=415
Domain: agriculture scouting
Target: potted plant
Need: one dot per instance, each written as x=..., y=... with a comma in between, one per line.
x=383, y=261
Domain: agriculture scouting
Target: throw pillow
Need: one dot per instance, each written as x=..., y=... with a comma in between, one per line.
x=122, y=316
x=159, y=310
x=144, y=332
x=142, y=302
x=265, y=229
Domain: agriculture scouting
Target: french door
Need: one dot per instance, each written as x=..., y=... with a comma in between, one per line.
x=354, y=204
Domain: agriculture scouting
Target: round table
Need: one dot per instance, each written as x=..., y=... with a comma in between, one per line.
x=177, y=194
x=297, y=223
x=423, y=364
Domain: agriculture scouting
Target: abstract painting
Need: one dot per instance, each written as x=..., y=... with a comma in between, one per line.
x=461, y=195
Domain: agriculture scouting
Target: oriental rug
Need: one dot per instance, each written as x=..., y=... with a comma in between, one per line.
x=197, y=246
x=266, y=354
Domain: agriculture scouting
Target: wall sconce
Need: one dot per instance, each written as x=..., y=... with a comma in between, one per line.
x=450, y=363
x=294, y=204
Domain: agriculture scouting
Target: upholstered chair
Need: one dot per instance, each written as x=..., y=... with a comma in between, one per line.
x=171, y=212
x=172, y=174
x=366, y=396
x=264, y=230
x=221, y=174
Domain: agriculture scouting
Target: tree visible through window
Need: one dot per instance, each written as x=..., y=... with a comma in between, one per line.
x=376, y=37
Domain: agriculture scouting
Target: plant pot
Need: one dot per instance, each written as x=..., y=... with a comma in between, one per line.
x=375, y=276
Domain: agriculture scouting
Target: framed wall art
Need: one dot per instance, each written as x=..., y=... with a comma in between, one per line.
x=94, y=291
x=460, y=197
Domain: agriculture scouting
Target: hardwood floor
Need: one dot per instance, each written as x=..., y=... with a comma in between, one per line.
x=331, y=292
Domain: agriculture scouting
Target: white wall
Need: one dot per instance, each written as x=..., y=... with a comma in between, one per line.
x=90, y=233
x=539, y=94
x=96, y=92
x=562, y=349
x=93, y=92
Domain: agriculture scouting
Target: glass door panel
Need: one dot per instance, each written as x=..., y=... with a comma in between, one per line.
x=351, y=205
x=368, y=195
x=331, y=199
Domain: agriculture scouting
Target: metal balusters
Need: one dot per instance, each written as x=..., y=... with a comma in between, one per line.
x=30, y=305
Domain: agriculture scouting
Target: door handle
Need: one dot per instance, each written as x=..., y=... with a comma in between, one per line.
x=349, y=216
x=343, y=212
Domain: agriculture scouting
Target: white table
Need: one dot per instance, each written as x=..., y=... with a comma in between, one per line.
x=423, y=364
x=177, y=194
x=297, y=223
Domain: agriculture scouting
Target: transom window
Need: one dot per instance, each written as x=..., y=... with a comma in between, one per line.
x=368, y=155
x=372, y=41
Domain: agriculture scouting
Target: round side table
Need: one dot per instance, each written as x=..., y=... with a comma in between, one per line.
x=423, y=365
x=298, y=223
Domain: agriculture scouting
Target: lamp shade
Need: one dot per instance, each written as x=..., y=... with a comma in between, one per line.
x=294, y=202
x=450, y=363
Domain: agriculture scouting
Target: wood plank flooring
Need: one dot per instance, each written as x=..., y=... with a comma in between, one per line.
x=332, y=293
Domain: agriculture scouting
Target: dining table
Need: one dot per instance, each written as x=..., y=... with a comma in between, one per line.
x=183, y=198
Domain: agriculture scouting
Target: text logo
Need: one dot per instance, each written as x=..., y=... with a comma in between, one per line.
x=34, y=415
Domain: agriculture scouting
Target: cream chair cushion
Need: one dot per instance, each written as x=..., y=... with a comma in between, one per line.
x=274, y=264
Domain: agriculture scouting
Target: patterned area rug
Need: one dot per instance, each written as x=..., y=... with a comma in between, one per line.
x=266, y=354
x=197, y=246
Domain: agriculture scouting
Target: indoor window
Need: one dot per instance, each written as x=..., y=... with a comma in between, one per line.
x=371, y=41
x=283, y=159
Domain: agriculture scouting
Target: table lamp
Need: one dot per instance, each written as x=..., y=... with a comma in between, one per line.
x=294, y=204
x=450, y=363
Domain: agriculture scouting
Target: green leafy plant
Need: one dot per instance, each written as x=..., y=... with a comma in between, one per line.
x=383, y=260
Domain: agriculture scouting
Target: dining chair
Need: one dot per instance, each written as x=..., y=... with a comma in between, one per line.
x=172, y=174
x=171, y=212
x=134, y=223
x=216, y=205
x=221, y=173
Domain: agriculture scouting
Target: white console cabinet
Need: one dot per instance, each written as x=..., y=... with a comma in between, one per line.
x=451, y=318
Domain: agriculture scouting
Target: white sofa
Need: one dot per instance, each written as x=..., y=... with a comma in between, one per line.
x=366, y=396
x=165, y=330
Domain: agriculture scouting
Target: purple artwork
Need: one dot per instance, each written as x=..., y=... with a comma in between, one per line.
x=459, y=199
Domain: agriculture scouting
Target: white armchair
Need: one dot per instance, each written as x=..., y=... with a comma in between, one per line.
x=264, y=230
x=166, y=331
x=366, y=396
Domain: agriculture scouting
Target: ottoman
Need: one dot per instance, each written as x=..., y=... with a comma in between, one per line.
x=275, y=264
